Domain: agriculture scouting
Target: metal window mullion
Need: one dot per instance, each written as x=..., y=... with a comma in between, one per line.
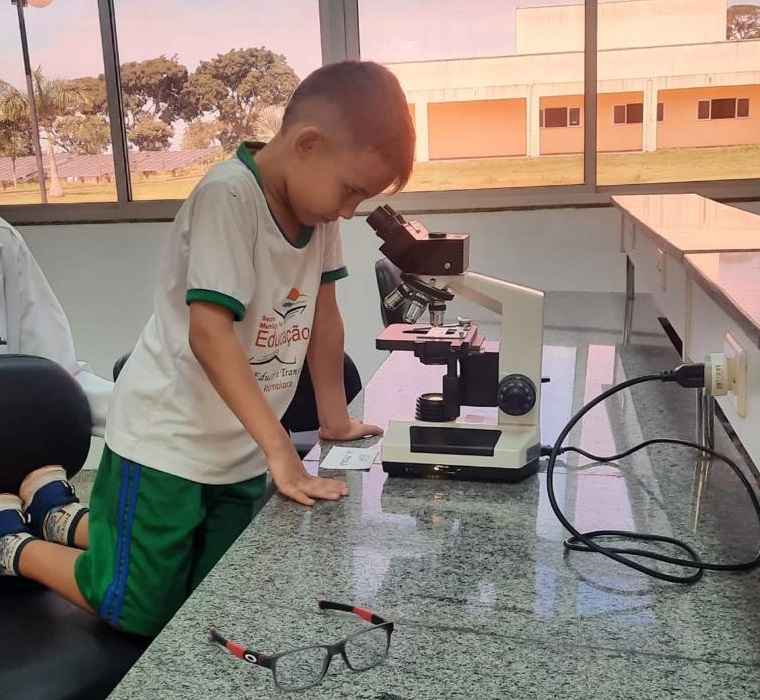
x=590, y=59
x=332, y=31
x=113, y=94
x=351, y=24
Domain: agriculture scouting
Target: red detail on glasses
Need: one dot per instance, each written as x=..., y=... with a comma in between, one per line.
x=362, y=613
x=236, y=649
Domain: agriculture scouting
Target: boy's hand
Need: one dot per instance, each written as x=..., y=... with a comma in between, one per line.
x=293, y=481
x=352, y=430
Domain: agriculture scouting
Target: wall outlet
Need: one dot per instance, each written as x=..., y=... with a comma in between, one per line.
x=661, y=268
x=737, y=368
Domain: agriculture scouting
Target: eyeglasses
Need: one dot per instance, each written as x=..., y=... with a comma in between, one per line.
x=303, y=668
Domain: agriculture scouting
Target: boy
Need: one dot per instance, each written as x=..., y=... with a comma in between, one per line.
x=246, y=287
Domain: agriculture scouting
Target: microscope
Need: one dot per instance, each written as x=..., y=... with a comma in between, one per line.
x=507, y=374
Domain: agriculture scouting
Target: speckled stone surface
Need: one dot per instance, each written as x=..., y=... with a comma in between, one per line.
x=486, y=601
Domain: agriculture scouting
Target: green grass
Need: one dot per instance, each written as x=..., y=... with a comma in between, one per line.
x=677, y=165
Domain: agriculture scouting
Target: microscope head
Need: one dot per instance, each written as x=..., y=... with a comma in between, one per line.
x=421, y=256
x=415, y=250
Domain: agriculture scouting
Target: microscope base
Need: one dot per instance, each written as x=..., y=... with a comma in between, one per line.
x=471, y=452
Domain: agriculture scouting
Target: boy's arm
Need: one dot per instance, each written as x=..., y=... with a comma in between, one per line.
x=325, y=357
x=219, y=352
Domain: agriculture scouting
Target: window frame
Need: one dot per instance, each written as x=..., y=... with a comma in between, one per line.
x=627, y=111
x=339, y=34
x=736, y=115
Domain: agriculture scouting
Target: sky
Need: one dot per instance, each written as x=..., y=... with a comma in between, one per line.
x=65, y=37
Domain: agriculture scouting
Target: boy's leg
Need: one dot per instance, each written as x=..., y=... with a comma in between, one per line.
x=229, y=510
x=23, y=553
x=135, y=574
x=53, y=509
x=53, y=566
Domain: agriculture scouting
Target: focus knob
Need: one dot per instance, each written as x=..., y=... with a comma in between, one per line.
x=516, y=394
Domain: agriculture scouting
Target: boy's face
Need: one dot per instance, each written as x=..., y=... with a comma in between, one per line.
x=330, y=178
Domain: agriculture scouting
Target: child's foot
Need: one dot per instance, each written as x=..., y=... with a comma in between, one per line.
x=15, y=533
x=53, y=509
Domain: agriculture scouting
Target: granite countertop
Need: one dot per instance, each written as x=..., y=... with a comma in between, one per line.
x=486, y=601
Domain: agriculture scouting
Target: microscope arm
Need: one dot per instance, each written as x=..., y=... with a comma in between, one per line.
x=521, y=334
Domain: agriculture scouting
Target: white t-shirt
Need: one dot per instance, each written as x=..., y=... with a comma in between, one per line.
x=225, y=248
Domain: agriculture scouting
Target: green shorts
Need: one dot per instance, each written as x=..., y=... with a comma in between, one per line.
x=153, y=538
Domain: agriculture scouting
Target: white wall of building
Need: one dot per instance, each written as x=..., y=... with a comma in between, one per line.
x=622, y=24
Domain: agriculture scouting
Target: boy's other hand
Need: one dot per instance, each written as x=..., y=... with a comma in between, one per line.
x=293, y=481
x=352, y=430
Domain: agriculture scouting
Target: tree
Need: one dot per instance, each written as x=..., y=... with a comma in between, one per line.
x=15, y=139
x=200, y=134
x=86, y=134
x=743, y=22
x=151, y=135
x=233, y=87
x=53, y=98
x=269, y=121
x=93, y=92
x=152, y=88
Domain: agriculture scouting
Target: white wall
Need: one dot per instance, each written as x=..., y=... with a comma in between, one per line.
x=104, y=274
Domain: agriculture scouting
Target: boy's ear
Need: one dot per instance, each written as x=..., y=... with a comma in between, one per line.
x=308, y=140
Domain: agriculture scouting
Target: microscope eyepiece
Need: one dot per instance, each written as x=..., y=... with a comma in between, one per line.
x=383, y=218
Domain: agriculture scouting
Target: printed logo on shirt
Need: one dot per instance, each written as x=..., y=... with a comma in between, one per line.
x=276, y=335
x=292, y=305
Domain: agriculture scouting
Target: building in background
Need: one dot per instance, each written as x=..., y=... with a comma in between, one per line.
x=667, y=78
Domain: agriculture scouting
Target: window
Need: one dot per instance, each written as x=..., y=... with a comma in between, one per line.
x=629, y=114
x=558, y=117
x=480, y=78
x=197, y=79
x=496, y=88
x=72, y=124
x=681, y=66
x=723, y=108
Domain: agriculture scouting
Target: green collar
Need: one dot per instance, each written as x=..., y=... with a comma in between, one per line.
x=245, y=153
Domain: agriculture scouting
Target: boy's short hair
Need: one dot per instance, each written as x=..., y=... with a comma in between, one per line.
x=372, y=107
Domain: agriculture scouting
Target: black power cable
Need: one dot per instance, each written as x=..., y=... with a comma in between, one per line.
x=687, y=376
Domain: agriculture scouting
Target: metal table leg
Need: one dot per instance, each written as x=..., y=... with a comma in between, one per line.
x=705, y=419
x=630, y=295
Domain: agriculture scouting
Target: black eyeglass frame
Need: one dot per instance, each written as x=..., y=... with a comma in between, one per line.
x=269, y=661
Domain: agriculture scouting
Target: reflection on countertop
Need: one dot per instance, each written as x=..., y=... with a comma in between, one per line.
x=487, y=602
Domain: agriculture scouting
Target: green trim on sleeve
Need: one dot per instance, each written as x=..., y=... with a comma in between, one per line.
x=211, y=297
x=333, y=275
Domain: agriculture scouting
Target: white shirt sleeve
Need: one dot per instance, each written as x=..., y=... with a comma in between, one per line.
x=221, y=240
x=333, y=266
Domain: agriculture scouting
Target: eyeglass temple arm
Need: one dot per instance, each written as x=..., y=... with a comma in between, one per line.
x=363, y=613
x=252, y=657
